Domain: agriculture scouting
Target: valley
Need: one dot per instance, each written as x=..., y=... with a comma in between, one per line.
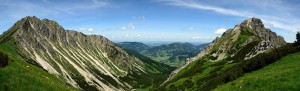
x=173, y=54
x=228, y=63
x=149, y=45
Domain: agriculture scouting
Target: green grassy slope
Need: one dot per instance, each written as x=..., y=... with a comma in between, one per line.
x=204, y=75
x=20, y=75
x=279, y=76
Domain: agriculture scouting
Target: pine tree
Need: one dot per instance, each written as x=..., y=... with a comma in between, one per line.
x=298, y=38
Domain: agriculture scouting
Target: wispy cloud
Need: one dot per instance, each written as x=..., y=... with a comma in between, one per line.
x=71, y=7
x=198, y=5
x=123, y=28
x=278, y=21
x=20, y=8
x=91, y=30
x=190, y=28
x=131, y=26
x=202, y=38
x=142, y=18
x=86, y=29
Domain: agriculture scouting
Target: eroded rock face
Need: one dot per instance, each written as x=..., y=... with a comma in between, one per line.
x=268, y=39
x=82, y=60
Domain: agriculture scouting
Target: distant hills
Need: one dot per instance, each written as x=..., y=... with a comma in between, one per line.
x=135, y=46
x=173, y=54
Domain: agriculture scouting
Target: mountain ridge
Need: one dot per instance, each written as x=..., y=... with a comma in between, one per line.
x=243, y=42
x=88, y=62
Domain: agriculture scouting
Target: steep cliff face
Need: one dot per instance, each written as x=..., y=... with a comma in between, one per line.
x=244, y=41
x=84, y=61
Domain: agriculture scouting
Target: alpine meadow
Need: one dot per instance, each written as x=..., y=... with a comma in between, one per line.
x=149, y=45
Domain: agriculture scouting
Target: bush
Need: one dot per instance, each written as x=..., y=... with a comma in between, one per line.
x=3, y=59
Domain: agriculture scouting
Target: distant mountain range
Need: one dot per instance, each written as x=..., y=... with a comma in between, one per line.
x=173, y=54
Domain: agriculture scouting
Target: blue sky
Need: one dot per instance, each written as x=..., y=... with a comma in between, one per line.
x=156, y=20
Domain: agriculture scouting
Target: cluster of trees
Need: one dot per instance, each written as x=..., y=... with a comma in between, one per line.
x=297, y=42
x=3, y=59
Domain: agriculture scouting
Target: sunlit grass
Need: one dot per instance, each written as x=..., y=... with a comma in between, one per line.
x=20, y=75
x=283, y=75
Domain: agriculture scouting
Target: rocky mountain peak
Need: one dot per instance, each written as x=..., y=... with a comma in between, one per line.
x=30, y=18
x=43, y=24
x=250, y=36
x=253, y=23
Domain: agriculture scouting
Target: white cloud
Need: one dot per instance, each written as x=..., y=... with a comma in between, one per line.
x=196, y=37
x=72, y=6
x=274, y=20
x=123, y=28
x=87, y=29
x=131, y=26
x=91, y=30
x=197, y=5
x=82, y=29
x=269, y=25
x=220, y=31
x=17, y=9
x=201, y=38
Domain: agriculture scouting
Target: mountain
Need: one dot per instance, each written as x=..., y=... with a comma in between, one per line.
x=87, y=62
x=173, y=54
x=135, y=46
x=248, y=46
x=202, y=46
